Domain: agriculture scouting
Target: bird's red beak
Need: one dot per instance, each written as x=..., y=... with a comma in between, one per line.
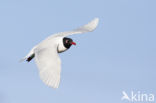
x=73, y=43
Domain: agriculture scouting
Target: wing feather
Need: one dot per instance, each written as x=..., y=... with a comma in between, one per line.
x=83, y=29
x=49, y=64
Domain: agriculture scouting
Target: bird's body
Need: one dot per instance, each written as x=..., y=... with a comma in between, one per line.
x=46, y=53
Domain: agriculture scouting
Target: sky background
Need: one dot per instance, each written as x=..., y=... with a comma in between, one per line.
x=120, y=55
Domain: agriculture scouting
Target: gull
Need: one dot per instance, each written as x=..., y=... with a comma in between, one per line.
x=46, y=53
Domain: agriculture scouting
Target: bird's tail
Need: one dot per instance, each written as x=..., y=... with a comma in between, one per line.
x=29, y=56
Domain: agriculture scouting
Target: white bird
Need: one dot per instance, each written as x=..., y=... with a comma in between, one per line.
x=46, y=53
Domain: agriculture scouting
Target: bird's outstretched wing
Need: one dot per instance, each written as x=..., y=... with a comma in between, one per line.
x=49, y=64
x=83, y=29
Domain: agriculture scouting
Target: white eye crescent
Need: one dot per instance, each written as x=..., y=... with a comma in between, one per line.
x=67, y=41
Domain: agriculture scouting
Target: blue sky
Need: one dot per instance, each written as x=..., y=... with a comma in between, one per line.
x=120, y=55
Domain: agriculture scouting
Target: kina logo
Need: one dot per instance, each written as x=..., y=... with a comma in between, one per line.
x=137, y=97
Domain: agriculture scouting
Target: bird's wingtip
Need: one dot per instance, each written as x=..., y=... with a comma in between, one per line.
x=23, y=59
x=92, y=24
x=96, y=19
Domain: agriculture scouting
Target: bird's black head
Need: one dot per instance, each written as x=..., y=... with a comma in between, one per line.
x=67, y=42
